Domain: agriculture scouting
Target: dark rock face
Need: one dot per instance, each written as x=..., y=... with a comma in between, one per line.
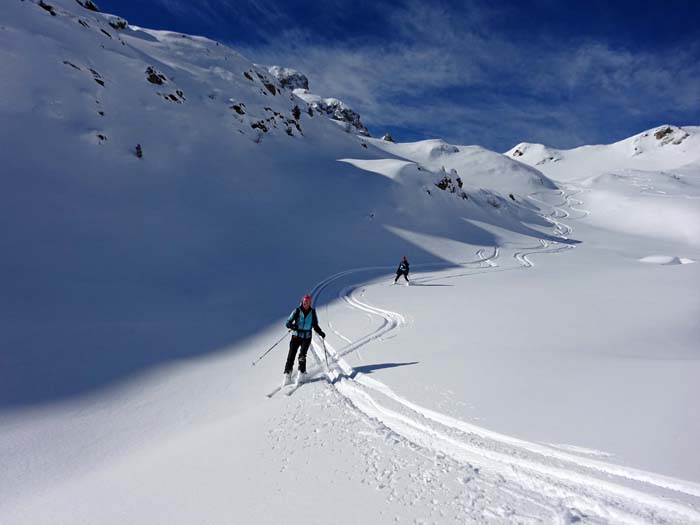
x=346, y=114
x=260, y=124
x=289, y=78
x=662, y=133
x=670, y=135
x=118, y=23
x=336, y=110
x=387, y=137
x=331, y=107
x=47, y=7
x=451, y=183
x=270, y=87
x=89, y=4
x=155, y=77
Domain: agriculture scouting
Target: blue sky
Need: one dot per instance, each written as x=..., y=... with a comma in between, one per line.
x=471, y=72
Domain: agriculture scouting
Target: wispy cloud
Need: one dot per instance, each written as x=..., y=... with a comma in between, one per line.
x=253, y=19
x=454, y=72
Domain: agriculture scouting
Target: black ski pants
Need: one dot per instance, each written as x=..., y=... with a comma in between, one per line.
x=294, y=344
x=399, y=274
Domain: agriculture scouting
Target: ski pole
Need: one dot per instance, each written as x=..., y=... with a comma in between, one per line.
x=270, y=349
x=325, y=352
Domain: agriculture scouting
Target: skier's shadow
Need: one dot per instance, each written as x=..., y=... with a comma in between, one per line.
x=368, y=369
x=315, y=379
x=414, y=283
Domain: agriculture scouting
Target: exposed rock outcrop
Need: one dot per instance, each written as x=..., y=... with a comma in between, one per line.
x=289, y=78
x=89, y=4
x=332, y=107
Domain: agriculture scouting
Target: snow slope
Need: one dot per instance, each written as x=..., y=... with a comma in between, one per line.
x=162, y=245
x=474, y=165
x=538, y=370
x=644, y=185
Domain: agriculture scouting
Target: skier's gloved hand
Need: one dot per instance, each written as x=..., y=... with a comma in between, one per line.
x=289, y=325
x=322, y=334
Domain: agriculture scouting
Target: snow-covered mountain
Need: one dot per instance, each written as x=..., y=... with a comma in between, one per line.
x=166, y=202
x=632, y=179
x=176, y=153
x=662, y=148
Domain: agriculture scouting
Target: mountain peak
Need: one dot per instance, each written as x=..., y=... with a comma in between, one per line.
x=663, y=147
x=333, y=108
x=289, y=78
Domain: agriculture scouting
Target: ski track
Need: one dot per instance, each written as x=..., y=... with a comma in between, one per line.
x=527, y=482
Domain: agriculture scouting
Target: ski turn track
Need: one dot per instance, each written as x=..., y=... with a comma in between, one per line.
x=528, y=482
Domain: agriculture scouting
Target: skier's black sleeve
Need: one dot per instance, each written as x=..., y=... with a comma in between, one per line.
x=292, y=319
x=314, y=325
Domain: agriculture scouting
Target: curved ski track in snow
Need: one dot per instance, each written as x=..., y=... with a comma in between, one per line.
x=563, y=486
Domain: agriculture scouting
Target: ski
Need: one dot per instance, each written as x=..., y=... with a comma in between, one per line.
x=288, y=390
x=277, y=389
x=294, y=388
x=270, y=394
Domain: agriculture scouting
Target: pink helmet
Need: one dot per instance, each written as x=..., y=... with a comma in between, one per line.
x=305, y=296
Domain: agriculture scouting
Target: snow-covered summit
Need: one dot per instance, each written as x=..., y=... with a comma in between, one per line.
x=663, y=147
x=660, y=137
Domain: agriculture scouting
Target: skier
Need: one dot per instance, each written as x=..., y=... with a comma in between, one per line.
x=402, y=270
x=302, y=319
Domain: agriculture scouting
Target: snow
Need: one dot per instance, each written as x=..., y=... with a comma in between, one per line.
x=540, y=368
x=665, y=259
x=390, y=168
x=674, y=148
x=646, y=185
x=475, y=165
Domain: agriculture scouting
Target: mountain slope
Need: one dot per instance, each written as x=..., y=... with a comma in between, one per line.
x=516, y=380
x=157, y=177
x=639, y=185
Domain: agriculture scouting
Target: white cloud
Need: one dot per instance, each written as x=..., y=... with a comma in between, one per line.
x=446, y=69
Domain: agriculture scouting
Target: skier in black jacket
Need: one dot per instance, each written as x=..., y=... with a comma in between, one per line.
x=402, y=270
x=302, y=319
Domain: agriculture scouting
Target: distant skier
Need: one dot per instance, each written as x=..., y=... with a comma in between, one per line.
x=402, y=270
x=302, y=319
